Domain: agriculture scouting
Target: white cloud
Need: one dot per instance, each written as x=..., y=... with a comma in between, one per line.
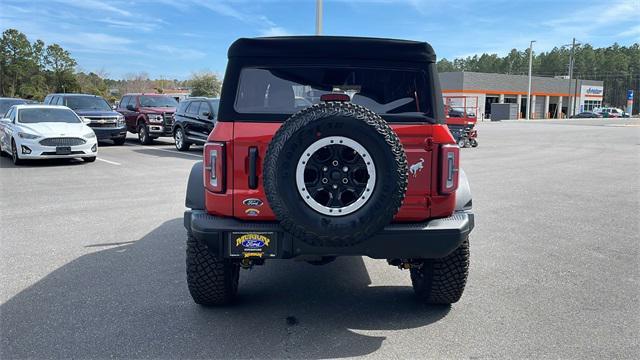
x=95, y=5
x=133, y=25
x=633, y=31
x=274, y=31
x=180, y=53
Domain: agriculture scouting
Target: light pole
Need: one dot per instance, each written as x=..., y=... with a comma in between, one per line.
x=318, y=17
x=529, y=88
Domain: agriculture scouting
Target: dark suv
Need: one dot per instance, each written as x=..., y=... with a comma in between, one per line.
x=148, y=115
x=366, y=166
x=106, y=123
x=193, y=121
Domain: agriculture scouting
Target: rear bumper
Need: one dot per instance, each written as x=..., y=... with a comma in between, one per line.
x=435, y=238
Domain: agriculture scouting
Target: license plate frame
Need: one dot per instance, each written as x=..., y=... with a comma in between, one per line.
x=253, y=244
x=63, y=150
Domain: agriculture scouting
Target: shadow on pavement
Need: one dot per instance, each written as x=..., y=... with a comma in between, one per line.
x=131, y=301
x=5, y=162
x=169, y=153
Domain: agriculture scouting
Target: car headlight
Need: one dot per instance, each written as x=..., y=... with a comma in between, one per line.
x=120, y=120
x=156, y=118
x=25, y=135
x=85, y=119
x=90, y=135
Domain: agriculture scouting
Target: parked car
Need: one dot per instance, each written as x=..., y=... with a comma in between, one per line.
x=148, y=115
x=7, y=102
x=105, y=122
x=586, y=114
x=376, y=174
x=193, y=121
x=45, y=132
x=611, y=112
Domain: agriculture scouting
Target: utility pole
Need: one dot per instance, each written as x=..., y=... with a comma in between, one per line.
x=570, y=106
x=529, y=89
x=318, y=17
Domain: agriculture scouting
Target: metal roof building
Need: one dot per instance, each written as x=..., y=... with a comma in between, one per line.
x=550, y=97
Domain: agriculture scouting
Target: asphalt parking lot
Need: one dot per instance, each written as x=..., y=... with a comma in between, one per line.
x=93, y=262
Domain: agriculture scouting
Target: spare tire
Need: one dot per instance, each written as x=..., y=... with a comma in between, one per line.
x=335, y=174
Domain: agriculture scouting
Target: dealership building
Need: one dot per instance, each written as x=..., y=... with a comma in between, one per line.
x=550, y=97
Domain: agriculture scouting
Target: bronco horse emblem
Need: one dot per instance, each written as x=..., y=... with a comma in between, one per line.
x=413, y=169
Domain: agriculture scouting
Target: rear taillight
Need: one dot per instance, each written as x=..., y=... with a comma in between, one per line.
x=214, y=167
x=449, y=165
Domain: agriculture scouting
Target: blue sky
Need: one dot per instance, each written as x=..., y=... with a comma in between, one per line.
x=173, y=38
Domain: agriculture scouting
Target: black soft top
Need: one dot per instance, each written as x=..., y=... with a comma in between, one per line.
x=333, y=47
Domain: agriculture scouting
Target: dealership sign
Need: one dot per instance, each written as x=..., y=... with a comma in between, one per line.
x=593, y=91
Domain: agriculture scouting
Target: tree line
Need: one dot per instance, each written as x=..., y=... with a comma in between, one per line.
x=618, y=66
x=33, y=70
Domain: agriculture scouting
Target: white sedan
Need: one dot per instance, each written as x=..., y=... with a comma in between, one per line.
x=46, y=132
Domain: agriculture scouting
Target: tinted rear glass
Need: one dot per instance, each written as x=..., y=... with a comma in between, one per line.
x=286, y=90
x=86, y=103
x=41, y=115
x=5, y=104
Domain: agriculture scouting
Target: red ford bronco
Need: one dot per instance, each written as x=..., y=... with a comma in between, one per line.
x=365, y=166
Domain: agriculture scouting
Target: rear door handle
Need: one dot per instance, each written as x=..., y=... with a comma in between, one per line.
x=253, y=167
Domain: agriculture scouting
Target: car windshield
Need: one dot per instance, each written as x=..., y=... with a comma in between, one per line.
x=47, y=115
x=283, y=90
x=158, y=101
x=87, y=103
x=5, y=104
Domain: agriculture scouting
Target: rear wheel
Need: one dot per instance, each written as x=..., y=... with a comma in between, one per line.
x=474, y=142
x=180, y=140
x=442, y=281
x=211, y=281
x=14, y=154
x=143, y=134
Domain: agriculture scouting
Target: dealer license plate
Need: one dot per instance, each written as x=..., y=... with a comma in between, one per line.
x=63, y=150
x=253, y=244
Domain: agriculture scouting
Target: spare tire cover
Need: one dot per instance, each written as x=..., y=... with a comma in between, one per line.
x=335, y=174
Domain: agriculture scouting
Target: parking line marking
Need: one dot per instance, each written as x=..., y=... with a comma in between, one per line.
x=167, y=150
x=109, y=161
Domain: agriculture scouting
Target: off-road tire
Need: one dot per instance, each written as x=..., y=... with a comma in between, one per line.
x=120, y=140
x=334, y=119
x=211, y=281
x=442, y=281
x=143, y=134
x=474, y=143
x=89, y=159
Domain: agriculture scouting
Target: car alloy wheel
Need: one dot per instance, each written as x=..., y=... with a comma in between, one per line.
x=179, y=138
x=335, y=176
x=142, y=134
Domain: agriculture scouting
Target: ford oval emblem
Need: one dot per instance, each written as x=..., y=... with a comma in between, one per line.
x=253, y=202
x=253, y=244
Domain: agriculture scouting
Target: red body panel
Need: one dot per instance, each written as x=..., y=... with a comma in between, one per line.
x=421, y=143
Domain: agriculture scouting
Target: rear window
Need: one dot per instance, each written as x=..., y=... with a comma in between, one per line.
x=286, y=90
